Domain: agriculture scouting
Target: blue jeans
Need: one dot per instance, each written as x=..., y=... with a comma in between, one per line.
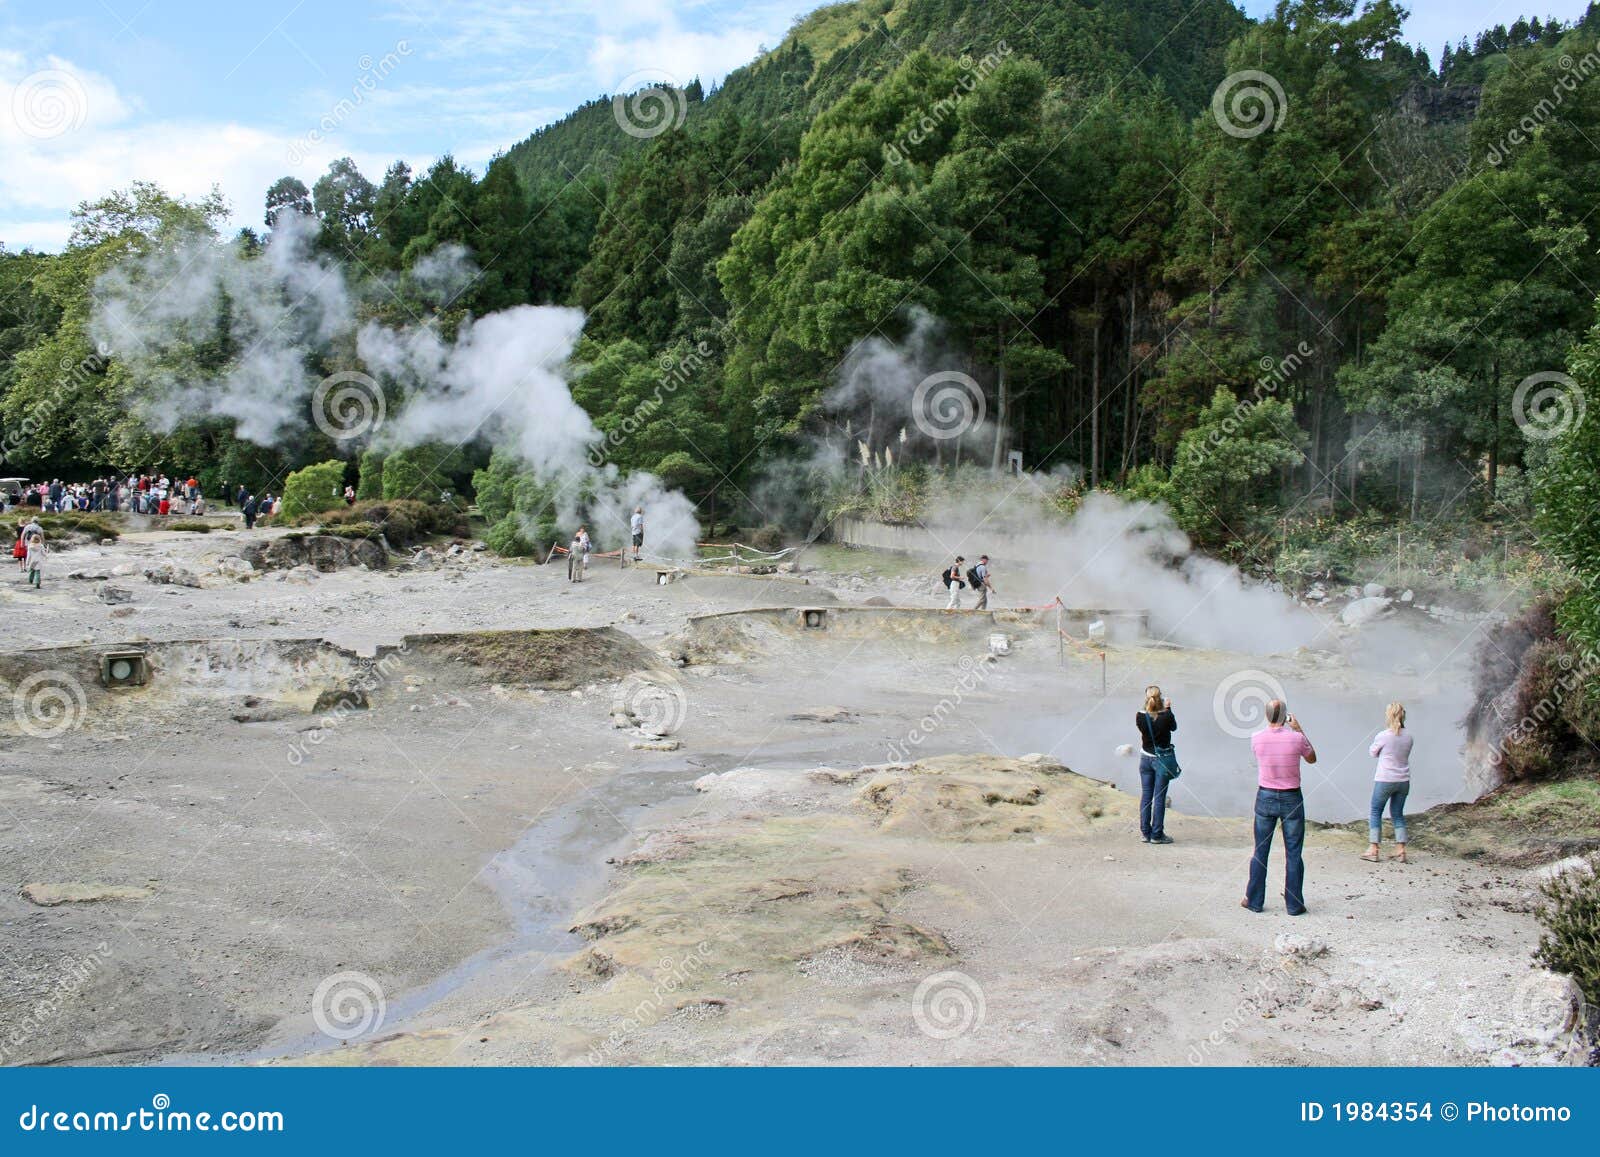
x=1393, y=794
x=1273, y=805
x=1152, y=799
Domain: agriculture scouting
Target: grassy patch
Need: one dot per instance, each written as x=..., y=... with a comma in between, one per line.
x=192, y=525
x=69, y=529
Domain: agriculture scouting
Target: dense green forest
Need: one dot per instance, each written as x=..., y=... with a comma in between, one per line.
x=1266, y=272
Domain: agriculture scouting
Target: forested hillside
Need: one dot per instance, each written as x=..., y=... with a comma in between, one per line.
x=1265, y=272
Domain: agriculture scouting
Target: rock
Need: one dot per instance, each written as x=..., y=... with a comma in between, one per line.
x=1316, y=595
x=1407, y=596
x=107, y=593
x=1298, y=946
x=1364, y=611
x=620, y=720
x=877, y=601
x=341, y=699
x=455, y=549
x=51, y=895
x=89, y=575
x=123, y=612
x=1374, y=591
x=234, y=565
x=479, y=547
x=655, y=745
x=1546, y=1007
x=124, y=568
x=322, y=552
x=302, y=574
x=173, y=575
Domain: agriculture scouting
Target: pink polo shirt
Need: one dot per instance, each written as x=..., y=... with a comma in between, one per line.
x=1278, y=754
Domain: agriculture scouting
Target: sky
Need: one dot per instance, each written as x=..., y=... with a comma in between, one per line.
x=97, y=93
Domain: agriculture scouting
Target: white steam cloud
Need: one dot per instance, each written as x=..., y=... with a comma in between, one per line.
x=290, y=316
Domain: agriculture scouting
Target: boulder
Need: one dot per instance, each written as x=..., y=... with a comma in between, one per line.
x=1374, y=591
x=167, y=574
x=1364, y=611
x=107, y=593
x=322, y=552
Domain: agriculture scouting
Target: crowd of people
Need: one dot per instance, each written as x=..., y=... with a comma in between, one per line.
x=1279, y=748
x=154, y=494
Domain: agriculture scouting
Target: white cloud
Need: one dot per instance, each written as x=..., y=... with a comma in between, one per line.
x=108, y=148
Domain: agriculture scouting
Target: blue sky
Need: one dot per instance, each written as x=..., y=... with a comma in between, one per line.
x=96, y=93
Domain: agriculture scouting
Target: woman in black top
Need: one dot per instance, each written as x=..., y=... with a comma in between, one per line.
x=1156, y=723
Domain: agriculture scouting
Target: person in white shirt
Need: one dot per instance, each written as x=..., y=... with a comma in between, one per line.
x=636, y=525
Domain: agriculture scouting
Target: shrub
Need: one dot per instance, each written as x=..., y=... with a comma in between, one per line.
x=419, y=473
x=313, y=489
x=370, y=483
x=401, y=522
x=1571, y=919
x=67, y=529
x=767, y=538
x=506, y=538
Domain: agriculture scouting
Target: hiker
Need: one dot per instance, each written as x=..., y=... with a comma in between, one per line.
x=349, y=495
x=1156, y=723
x=978, y=576
x=35, y=558
x=249, y=509
x=636, y=526
x=238, y=501
x=1392, y=783
x=951, y=577
x=1279, y=747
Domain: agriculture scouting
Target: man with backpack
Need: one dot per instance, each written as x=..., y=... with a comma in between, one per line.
x=954, y=583
x=978, y=576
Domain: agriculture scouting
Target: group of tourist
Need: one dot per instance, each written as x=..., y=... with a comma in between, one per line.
x=1279, y=749
x=137, y=493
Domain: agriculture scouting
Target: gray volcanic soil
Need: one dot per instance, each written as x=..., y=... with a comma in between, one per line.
x=443, y=842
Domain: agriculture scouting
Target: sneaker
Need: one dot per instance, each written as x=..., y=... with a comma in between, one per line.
x=1159, y=840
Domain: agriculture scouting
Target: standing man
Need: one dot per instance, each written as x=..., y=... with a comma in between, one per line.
x=981, y=583
x=248, y=508
x=1279, y=747
x=953, y=583
x=636, y=525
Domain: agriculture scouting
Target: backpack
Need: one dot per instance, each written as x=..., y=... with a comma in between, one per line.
x=974, y=579
x=950, y=575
